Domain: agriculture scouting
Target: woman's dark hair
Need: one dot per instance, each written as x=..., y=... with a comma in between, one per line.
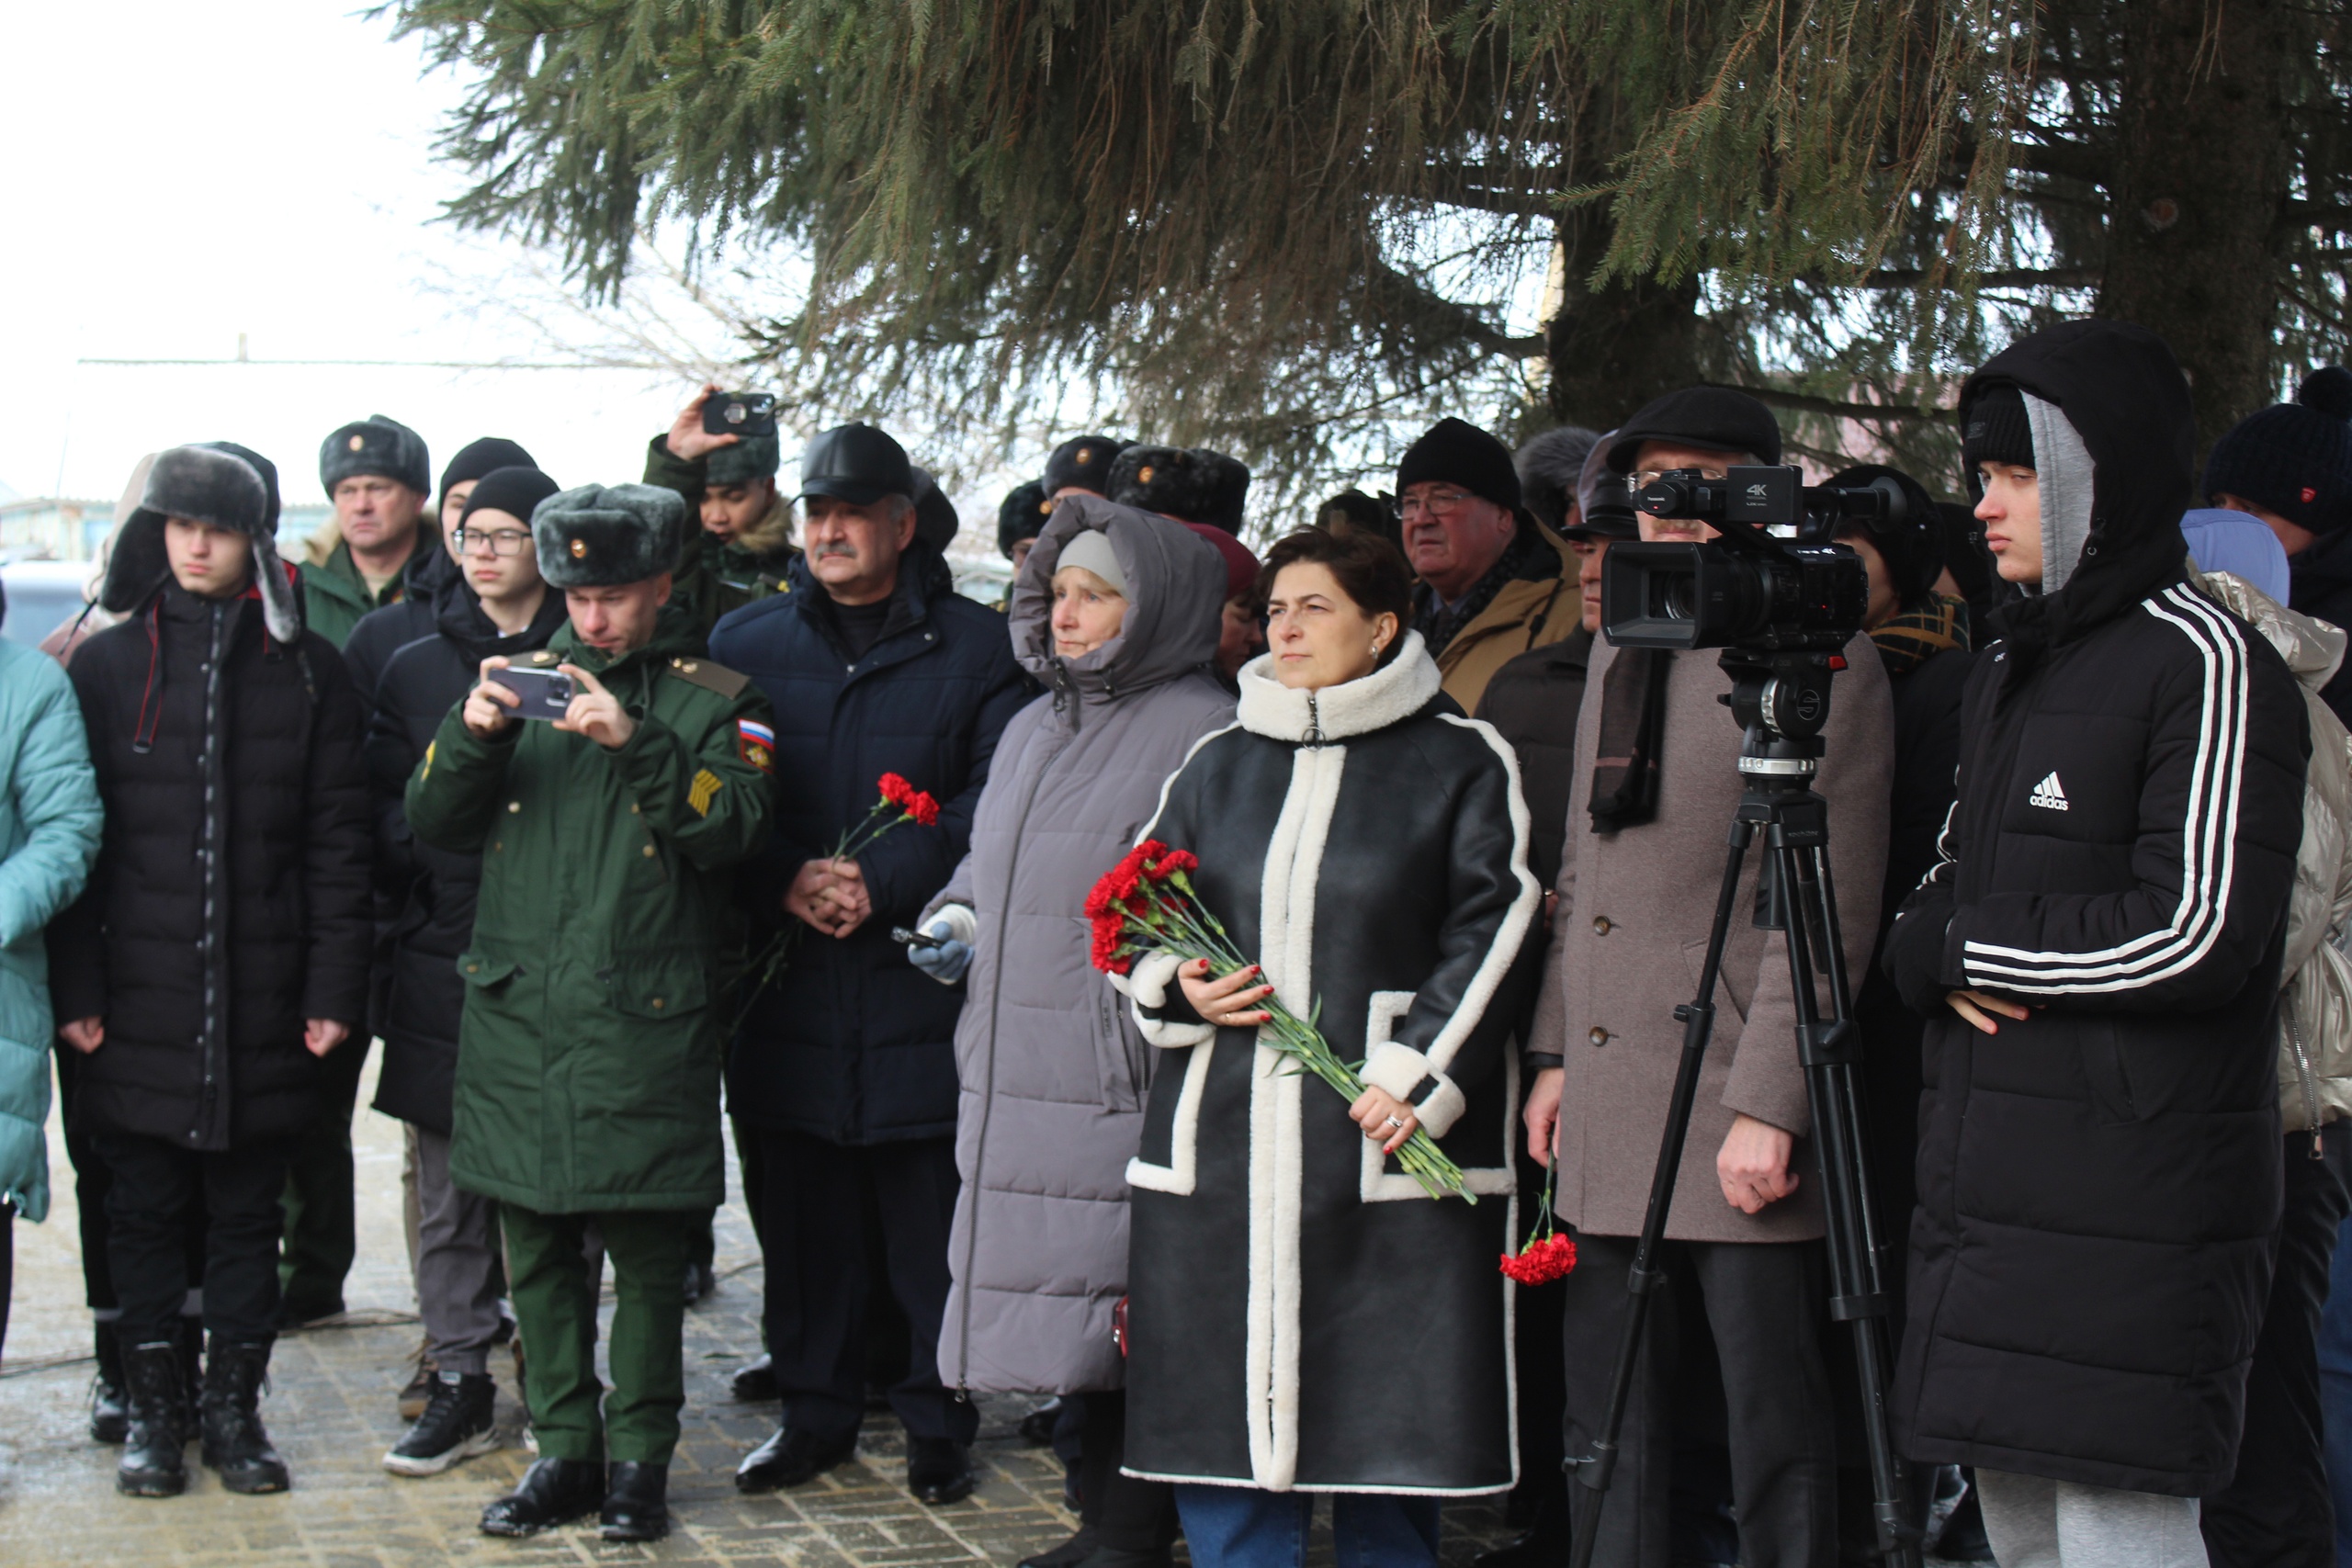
x=1369, y=568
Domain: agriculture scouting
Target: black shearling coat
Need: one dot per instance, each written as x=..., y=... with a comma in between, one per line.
x=229, y=765
x=1302, y=1316
x=2100, y=1182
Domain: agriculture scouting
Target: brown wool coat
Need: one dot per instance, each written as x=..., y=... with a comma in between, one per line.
x=1630, y=932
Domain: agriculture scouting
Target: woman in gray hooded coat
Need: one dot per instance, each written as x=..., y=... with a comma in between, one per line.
x=1053, y=1074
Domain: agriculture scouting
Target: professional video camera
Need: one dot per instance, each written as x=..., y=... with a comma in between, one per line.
x=1748, y=589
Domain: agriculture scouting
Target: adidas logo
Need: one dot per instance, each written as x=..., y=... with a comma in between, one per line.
x=2049, y=795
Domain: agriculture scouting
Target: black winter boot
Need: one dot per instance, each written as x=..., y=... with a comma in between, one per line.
x=235, y=1442
x=152, y=1463
x=187, y=1332
x=553, y=1492
x=637, y=1503
x=109, y=1394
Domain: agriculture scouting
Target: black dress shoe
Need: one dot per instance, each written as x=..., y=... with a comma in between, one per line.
x=791, y=1458
x=1068, y=1555
x=636, y=1501
x=552, y=1492
x=756, y=1385
x=939, y=1471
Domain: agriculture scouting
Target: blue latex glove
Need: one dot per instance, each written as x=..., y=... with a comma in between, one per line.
x=945, y=963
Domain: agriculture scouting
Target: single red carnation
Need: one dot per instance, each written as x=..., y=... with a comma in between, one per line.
x=1173, y=863
x=895, y=790
x=1542, y=1260
x=922, y=808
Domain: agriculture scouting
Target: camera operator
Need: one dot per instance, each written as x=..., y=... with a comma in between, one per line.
x=588, y=1062
x=2097, y=952
x=1656, y=784
x=731, y=481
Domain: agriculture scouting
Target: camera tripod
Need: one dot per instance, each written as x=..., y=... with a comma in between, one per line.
x=1781, y=701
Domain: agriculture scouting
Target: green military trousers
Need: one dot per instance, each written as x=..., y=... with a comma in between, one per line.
x=555, y=1307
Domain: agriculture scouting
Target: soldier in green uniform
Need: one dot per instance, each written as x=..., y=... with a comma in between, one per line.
x=745, y=542
x=589, y=1055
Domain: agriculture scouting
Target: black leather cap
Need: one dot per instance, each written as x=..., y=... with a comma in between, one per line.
x=1712, y=419
x=856, y=463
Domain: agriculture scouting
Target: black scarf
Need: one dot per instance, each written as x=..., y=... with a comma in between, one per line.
x=1632, y=726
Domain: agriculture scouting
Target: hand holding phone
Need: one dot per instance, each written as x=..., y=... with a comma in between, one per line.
x=739, y=413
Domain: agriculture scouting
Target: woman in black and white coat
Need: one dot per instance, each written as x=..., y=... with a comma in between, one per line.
x=1303, y=1318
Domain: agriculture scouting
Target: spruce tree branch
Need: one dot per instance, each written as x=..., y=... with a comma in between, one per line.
x=1804, y=403
x=2023, y=277
x=1436, y=317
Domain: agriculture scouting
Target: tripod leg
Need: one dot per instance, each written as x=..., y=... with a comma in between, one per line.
x=1594, y=1469
x=1830, y=1053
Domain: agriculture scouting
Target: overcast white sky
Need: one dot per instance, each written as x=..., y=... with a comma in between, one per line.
x=181, y=174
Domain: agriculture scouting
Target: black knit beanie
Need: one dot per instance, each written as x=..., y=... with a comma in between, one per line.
x=517, y=491
x=1998, y=431
x=2294, y=458
x=479, y=457
x=1454, y=451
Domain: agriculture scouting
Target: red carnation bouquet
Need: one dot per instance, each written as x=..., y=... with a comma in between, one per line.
x=900, y=802
x=1147, y=902
x=1548, y=1254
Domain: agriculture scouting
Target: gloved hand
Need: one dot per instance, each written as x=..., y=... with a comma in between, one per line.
x=945, y=963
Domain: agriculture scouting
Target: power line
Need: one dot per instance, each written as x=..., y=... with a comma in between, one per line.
x=407, y=363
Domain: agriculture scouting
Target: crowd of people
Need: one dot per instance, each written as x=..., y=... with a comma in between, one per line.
x=609, y=810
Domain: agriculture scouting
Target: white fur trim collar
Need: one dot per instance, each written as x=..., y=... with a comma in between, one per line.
x=1388, y=695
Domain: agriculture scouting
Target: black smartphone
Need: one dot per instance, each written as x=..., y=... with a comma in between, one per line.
x=545, y=694
x=915, y=939
x=739, y=413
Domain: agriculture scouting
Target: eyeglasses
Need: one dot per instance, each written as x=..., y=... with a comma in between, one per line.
x=1437, y=503
x=498, y=541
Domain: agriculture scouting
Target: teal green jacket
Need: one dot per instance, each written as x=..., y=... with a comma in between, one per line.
x=595, y=1026
x=49, y=818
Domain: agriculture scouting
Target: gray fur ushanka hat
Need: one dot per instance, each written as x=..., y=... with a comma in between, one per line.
x=215, y=484
x=607, y=536
x=378, y=445
x=748, y=460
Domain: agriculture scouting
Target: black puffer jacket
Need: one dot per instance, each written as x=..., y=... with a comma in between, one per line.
x=2098, y=1184
x=431, y=891
x=230, y=763
x=2321, y=586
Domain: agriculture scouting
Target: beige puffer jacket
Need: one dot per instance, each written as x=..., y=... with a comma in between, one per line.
x=2315, y=1010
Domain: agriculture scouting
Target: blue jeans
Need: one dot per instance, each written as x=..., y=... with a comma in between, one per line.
x=1241, y=1527
x=2336, y=1388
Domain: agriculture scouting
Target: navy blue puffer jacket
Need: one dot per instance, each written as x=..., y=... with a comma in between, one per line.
x=850, y=1043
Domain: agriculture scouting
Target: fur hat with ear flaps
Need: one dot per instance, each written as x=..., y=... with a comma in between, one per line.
x=219, y=483
x=607, y=536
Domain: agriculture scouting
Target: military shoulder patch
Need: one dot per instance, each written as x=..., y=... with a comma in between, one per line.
x=705, y=789
x=755, y=743
x=710, y=677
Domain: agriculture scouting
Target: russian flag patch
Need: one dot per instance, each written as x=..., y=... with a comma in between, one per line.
x=755, y=742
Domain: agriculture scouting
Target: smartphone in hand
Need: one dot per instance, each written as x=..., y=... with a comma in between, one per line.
x=546, y=694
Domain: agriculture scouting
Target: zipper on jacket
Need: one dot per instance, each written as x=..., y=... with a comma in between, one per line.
x=1314, y=720
x=2304, y=1076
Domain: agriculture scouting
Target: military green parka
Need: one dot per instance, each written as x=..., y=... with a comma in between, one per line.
x=588, y=1060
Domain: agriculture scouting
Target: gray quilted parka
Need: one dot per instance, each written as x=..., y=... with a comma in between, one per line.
x=1053, y=1074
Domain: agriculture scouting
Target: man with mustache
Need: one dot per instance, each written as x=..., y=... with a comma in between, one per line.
x=843, y=1075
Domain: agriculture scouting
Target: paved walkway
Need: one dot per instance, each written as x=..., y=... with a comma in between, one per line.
x=331, y=1410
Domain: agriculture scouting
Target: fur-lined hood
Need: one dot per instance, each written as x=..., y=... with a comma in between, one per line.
x=772, y=533
x=226, y=486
